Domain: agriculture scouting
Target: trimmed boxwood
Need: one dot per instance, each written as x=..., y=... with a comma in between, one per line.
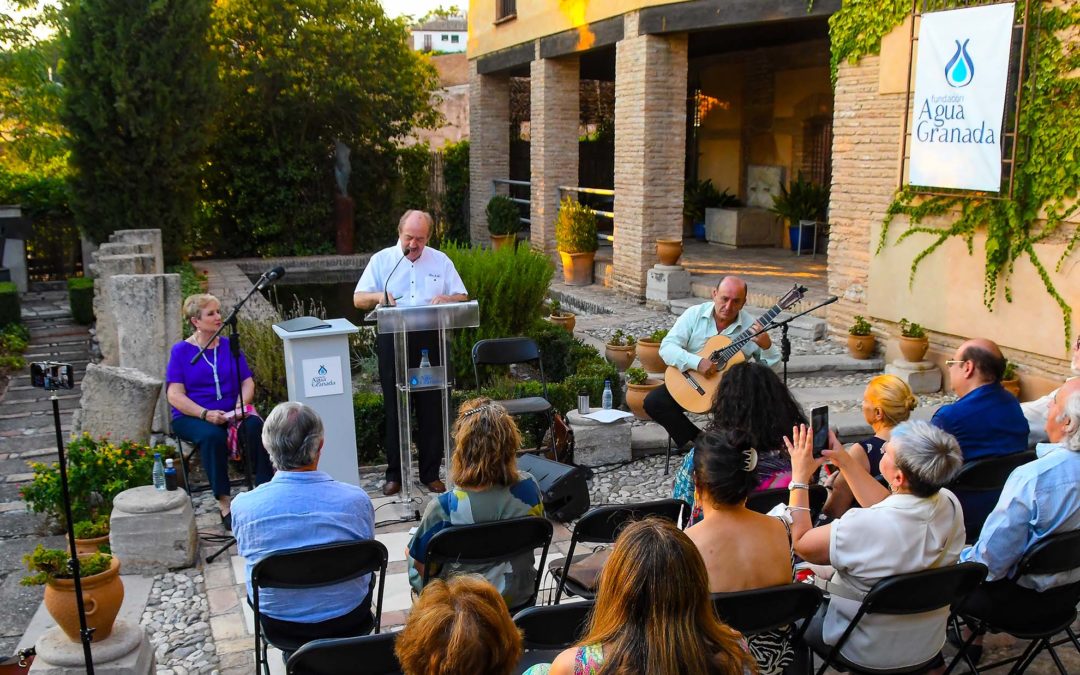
x=81, y=296
x=9, y=303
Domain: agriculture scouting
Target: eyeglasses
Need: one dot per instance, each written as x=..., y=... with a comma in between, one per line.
x=953, y=362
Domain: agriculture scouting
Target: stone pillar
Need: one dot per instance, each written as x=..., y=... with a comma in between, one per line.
x=103, y=267
x=126, y=651
x=650, y=149
x=119, y=402
x=553, y=150
x=146, y=308
x=151, y=238
x=489, y=144
x=153, y=531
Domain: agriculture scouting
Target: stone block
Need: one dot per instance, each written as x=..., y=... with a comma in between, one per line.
x=598, y=443
x=105, y=266
x=665, y=283
x=117, y=401
x=924, y=377
x=744, y=226
x=147, y=237
x=146, y=310
x=114, y=248
x=153, y=531
x=126, y=651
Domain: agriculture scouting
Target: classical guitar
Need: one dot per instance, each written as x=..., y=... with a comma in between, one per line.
x=694, y=391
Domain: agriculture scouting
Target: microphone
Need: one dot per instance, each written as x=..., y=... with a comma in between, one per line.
x=386, y=284
x=267, y=279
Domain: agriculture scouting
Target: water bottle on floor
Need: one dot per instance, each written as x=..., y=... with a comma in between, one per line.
x=159, y=472
x=607, y=399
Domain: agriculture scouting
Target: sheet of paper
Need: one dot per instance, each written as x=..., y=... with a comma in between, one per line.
x=608, y=416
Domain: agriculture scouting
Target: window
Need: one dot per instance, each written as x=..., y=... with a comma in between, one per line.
x=505, y=10
x=454, y=38
x=444, y=37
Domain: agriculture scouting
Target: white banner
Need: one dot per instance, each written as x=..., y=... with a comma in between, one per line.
x=960, y=79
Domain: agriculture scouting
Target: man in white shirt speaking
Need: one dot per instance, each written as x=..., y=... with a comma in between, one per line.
x=409, y=274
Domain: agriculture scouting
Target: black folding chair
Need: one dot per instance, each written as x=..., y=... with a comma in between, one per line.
x=506, y=351
x=490, y=543
x=364, y=655
x=247, y=480
x=982, y=476
x=788, y=608
x=313, y=567
x=602, y=525
x=903, y=594
x=765, y=500
x=1053, y=555
x=549, y=629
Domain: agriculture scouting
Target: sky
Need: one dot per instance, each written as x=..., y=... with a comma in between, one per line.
x=417, y=8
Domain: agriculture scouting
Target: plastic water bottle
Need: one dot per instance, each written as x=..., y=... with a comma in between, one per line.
x=170, y=475
x=159, y=472
x=607, y=398
x=425, y=363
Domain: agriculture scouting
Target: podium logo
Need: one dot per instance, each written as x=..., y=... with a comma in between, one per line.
x=321, y=379
x=322, y=370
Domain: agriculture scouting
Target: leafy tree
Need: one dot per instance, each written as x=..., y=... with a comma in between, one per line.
x=138, y=91
x=296, y=76
x=441, y=12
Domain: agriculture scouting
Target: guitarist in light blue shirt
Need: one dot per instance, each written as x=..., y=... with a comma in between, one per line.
x=724, y=315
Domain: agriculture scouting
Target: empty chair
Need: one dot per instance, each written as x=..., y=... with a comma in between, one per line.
x=506, y=351
x=364, y=655
x=549, y=629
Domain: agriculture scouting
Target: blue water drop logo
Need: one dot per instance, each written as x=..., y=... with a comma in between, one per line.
x=322, y=370
x=960, y=69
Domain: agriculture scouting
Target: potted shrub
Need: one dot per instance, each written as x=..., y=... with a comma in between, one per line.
x=91, y=535
x=102, y=589
x=648, y=352
x=860, y=340
x=638, y=386
x=561, y=317
x=699, y=195
x=1011, y=379
x=913, y=341
x=801, y=204
x=575, y=237
x=504, y=221
x=619, y=350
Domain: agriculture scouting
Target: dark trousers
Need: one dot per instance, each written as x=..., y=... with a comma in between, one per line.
x=211, y=441
x=427, y=405
x=670, y=415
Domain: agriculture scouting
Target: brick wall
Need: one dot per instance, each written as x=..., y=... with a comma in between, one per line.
x=553, y=152
x=489, y=146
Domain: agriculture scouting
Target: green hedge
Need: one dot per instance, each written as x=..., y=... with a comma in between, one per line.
x=9, y=303
x=370, y=419
x=81, y=296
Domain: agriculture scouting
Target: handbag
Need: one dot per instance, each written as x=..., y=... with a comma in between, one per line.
x=561, y=447
x=18, y=664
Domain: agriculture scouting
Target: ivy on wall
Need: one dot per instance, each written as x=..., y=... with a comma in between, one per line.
x=1047, y=170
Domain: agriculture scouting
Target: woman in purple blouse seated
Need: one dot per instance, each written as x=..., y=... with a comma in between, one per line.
x=203, y=397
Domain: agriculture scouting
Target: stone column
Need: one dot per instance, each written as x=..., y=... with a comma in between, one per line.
x=650, y=149
x=149, y=237
x=119, y=402
x=553, y=151
x=147, y=312
x=489, y=143
x=103, y=267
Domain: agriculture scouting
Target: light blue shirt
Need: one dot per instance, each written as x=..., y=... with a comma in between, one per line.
x=295, y=509
x=1039, y=499
x=694, y=328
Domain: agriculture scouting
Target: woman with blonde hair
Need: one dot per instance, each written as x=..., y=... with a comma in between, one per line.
x=487, y=487
x=653, y=613
x=459, y=626
x=887, y=402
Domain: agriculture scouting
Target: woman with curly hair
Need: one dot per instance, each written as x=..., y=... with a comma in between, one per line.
x=750, y=398
x=487, y=487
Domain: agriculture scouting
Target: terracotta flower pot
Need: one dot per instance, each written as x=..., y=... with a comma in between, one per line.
x=861, y=346
x=1012, y=386
x=499, y=241
x=89, y=546
x=577, y=268
x=914, y=349
x=635, y=396
x=669, y=251
x=102, y=595
x=566, y=320
x=619, y=355
x=648, y=352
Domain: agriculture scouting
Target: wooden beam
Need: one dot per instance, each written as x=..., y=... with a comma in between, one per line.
x=700, y=15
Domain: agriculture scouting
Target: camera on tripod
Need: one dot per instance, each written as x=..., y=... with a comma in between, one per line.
x=51, y=375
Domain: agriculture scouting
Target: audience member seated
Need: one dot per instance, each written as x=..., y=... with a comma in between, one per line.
x=1041, y=498
x=1036, y=411
x=750, y=397
x=743, y=550
x=487, y=487
x=302, y=506
x=653, y=613
x=204, y=398
x=887, y=401
x=459, y=626
x=919, y=526
x=986, y=421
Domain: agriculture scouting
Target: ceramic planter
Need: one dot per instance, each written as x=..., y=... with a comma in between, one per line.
x=566, y=320
x=861, y=346
x=669, y=251
x=577, y=268
x=502, y=240
x=635, y=396
x=914, y=349
x=102, y=595
x=619, y=355
x=89, y=546
x=1012, y=386
x=648, y=353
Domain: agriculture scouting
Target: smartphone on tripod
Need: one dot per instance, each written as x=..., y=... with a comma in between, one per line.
x=52, y=375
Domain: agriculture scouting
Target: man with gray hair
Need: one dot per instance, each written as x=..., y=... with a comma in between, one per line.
x=302, y=506
x=1040, y=498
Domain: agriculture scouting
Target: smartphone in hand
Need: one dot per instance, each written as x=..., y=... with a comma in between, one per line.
x=819, y=423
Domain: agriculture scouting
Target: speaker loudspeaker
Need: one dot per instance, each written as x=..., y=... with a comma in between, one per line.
x=563, y=487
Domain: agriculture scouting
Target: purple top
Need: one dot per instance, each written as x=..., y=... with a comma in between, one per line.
x=198, y=379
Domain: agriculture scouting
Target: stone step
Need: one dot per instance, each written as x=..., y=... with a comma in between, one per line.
x=17, y=409
x=812, y=396
x=22, y=445
x=75, y=351
x=816, y=364
x=24, y=392
x=805, y=327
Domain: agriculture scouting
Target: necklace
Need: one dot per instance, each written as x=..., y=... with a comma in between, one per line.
x=213, y=369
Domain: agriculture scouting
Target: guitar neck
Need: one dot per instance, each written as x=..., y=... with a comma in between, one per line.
x=731, y=350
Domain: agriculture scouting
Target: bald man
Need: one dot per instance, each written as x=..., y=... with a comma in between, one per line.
x=723, y=315
x=987, y=420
